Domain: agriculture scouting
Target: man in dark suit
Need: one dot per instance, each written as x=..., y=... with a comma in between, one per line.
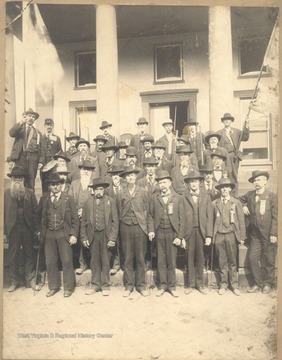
x=131, y=160
x=198, y=229
x=51, y=144
x=20, y=225
x=229, y=230
x=209, y=182
x=59, y=231
x=146, y=149
x=159, y=153
x=260, y=208
x=26, y=150
x=166, y=224
x=133, y=211
x=105, y=127
x=196, y=139
x=99, y=231
x=136, y=139
x=169, y=140
x=110, y=150
x=231, y=139
x=72, y=150
x=100, y=141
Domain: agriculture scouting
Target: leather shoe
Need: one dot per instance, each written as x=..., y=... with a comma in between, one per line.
x=221, y=291
x=266, y=289
x=105, y=292
x=203, y=290
x=174, y=293
x=160, y=292
x=79, y=271
x=12, y=288
x=67, y=293
x=236, y=291
x=113, y=271
x=144, y=293
x=188, y=291
x=253, y=289
x=126, y=293
x=52, y=292
x=91, y=291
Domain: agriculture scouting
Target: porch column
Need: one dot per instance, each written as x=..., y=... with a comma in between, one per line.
x=107, y=66
x=220, y=65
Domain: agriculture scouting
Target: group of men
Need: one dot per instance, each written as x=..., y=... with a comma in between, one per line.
x=122, y=202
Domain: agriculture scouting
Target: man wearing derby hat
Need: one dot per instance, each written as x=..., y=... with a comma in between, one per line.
x=229, y=231
x=146, y=149
x=20, y=225
x=166, y=225
x=27, y=149
x=59, y=231
x=110, y=150
x=99, y=231
x=231, y=140
x=169, y=139
x=72, y=150
x=148, y=182
x=198, y=229
x=135, y=141
x=105, y=127
x=209, y=182
x=83, y=147
x=63, y=172
x=218, y=157
x=121, y=155
x=100, y=141
x=260, y=208
x=80, y=192
x=133, y=211
x=196, y=139
x=131, y=160
x=159, y=153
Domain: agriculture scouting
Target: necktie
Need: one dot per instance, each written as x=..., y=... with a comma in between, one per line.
x=257, y=198
x=55, y=199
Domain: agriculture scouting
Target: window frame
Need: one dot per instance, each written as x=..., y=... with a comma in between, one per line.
x=76, y=70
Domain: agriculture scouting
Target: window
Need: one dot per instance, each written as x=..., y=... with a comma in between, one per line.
x=85, y=69
x=251, y=55
x=168, y=63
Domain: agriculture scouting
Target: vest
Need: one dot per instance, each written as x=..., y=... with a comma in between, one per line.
x=225, y=226
x=165, y=221
x=55, y=220
x=99, y=215
x=130, y=217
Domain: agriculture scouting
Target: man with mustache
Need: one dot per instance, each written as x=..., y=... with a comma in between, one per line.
x=20, y=225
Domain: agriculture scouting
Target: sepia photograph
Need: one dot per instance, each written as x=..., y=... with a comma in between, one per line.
x=140, y=183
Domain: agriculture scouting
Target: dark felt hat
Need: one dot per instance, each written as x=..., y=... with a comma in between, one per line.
x=207, y=169
x=61, y=154
x=72, y=136
x=186, y=149
x=224, y=182
x=211, y=134
x=191, y=122
x=193, y=175
x=227, y=116
x=129, y=170
x=218, y=153
x=147, y=137
x=54, y=179
x=82, y=141
x=142, y=121
x=86, y=164
x=159, y=145
x=17, y=171
x=100, y=138
x=105, y=124
x=109, y=146
x=116, y=168
x=150, y=161
x=122, y=145
x=31, y=112
x=162, y=174
x=257, y=173
x=48, y=121
x=184, y=138
x=99, y=182
x=131, y=151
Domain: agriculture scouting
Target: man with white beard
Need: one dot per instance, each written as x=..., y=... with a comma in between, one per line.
x=20, y=225
x=80, y=192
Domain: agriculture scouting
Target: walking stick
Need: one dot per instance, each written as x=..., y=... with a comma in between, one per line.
x=36, y=287
x=211, y=263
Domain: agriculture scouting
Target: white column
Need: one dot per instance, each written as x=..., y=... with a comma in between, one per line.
x=220, y=64
x=107, y=66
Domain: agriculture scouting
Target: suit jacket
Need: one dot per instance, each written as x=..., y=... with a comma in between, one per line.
x=177, y=218
x=18, y=131
x=74, y=190
x=208, y=159
x=235, y=136
x=74, y=170
x=70, y=154
x=205, y=214
x=111, y=219
x=165, y=165
x=139, y=204
x=69, y=212
x=135, y=141
x=30, y=211
x=178, y=179
x=197, y=145
x=55, y=146
x=150, y=189
x=239, y=221
x=266, y=223
x=164, y=140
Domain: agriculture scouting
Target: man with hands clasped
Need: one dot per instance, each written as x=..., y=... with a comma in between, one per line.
x=260, y=208
x=166, y=225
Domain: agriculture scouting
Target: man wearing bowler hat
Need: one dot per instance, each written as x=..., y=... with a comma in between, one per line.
x=159, y=153
x=133, y=211
x=231, y=140
x=121, y=154
x=135, y=141
x=105, y=127
x=59, y=231
x=27, y=149
x=72, y=150
x=110, y=150
x=20, y=225
x=100, y=141
x=169, y=139
x=218, y=157
x=209, y=182
x=166, y=225
x=198, y=229
x=260, y=209
x=99, y=231
x=131, y=160
x=146, y=149
x=63, y=172
x=196, y=139
x=229, y=231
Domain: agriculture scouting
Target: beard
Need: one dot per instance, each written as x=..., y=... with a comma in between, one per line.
x=85, y=181
x=17, y=190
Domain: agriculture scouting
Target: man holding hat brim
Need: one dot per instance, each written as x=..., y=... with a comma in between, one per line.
x=159, y=153
x=105, y=127
x=169, y=139
x=59, y=231
x=198, y=229
x=80, y=192
x=83, y=146
x=231, y=140
x=72, y=150
x=181, y=170
x=20, y=225
x=135, y=141
x=229, y=231
x=133, y=210
x=110, y=150
x=166, y=225
x=196, y=139
x=260, y=209
x=27, y=149
x=99, y=231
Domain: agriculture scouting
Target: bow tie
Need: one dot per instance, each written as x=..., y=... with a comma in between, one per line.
x=194, y=193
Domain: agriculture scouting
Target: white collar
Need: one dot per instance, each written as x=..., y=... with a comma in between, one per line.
x=58, y=195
